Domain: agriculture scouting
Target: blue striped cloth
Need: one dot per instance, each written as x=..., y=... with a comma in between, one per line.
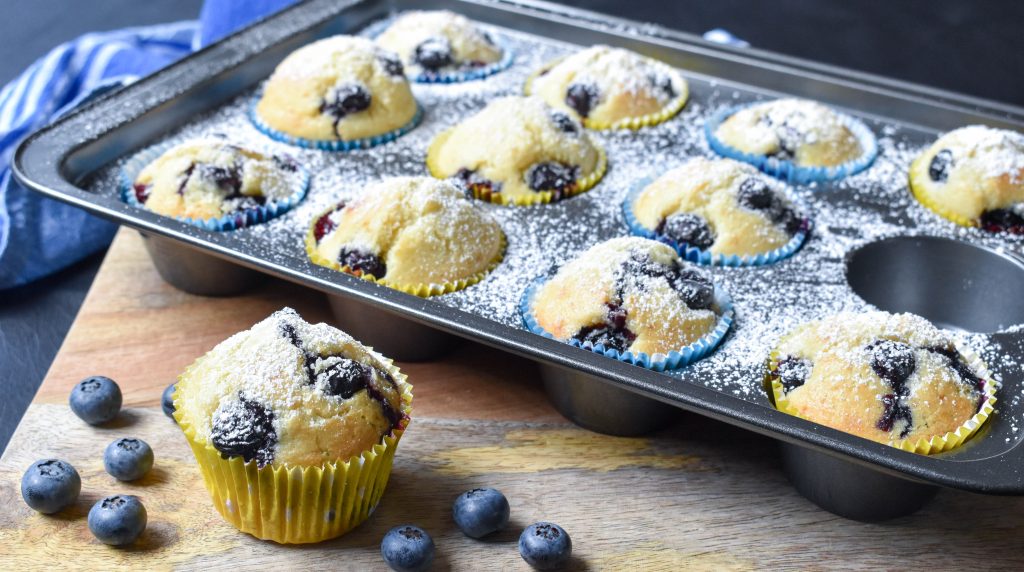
x=39, y=236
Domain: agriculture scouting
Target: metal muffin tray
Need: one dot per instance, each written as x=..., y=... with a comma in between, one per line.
x=872, y=244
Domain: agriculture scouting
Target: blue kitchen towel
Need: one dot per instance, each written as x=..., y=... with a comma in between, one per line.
x=39, y=236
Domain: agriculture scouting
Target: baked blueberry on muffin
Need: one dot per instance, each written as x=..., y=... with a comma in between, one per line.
x=974, y=176
x=209, y=178
x=339, y=88
x=407, y=232
x=628, y=294
x=609, y=87
x=884, y=377
x=517, y=150
x=306, y=411
x=434, y=42
x=721, y=206
x=803, y=132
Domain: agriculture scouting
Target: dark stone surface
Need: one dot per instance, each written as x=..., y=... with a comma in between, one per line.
x=969, y=47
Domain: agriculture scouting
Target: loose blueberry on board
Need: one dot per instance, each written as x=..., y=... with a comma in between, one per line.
x=128, y=459
x=407, y=548
x=117, y=520
x=167, y=401
x=938, y=169
x=688, y=228
x=244, y=428
x=96, y=399
x=50, y=485
x=479, y=512
x=545, y=546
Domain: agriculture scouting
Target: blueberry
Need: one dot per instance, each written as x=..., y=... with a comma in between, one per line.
x=363, y=261
x=479, y=512
x=756, y=195
x=550, y=176
x=96, y=400
x=128, y=459
x=407, y=549
x=244, y=428
x=392, y=65
x=688, y=228
x=167, y=401
x=893, y=362
x=793, y=372
x=612, y=333
x=117, y=520
x=433, y=53
x=663, y=82
x=50, y=485
x=545, y=546
x=344, y=378
x=345, y=100
x=582, y=97
x=1003, y=220
x=938, y=169
x=564, y=122
x=895, y=410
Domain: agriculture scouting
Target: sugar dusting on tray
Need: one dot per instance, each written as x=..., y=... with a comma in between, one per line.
x=769, y=300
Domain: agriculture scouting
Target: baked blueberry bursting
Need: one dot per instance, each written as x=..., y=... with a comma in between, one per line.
x=474, y=183
x=345, y=100
x=756, y=195
x=345, y=378
x=558, y=178
x=141, y=192
x=1003, y=220
x=286, y=164
x=792, y=372
x=244, y=428
x=894, y=362
x=687, y=228
x=612, y=333
x=363, y=262
x=324, y=225
x=789, y=138
x=392, y=66
x=565, y=123
x=582, y=97
x=938, y=169
x=964, y=372
x=433, y=53
x=663, y=82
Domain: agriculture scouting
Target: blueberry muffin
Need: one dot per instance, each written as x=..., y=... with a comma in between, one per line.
x=434, y=42
x=974, y=176
x=609, y=87
x=208, y=178
x=339, y=88
x=628, y=294
x=722, y=206
x=517, y=150
x=884, y=377
x=408, y=231
x=306, y=411
x=804, y=132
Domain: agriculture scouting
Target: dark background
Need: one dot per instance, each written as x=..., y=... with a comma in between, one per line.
x=970, y=47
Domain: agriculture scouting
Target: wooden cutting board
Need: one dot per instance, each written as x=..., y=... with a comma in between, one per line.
x=700, y=495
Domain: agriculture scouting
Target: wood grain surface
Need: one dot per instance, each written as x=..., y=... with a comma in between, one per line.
x=700, y=495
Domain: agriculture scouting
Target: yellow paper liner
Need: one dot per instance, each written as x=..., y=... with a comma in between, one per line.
x=668, y=112
x=922, y=197
x=537, y=198
x=921, y=446
x=296, y=504
x=423, y=290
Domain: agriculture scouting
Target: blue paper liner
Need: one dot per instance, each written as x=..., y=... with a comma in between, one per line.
x=706, y=257
x=656, y=362
x=228, y=222
x=788, y=170
x=332, y=144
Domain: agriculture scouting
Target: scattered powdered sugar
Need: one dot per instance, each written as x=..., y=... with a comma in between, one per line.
x=769, y=300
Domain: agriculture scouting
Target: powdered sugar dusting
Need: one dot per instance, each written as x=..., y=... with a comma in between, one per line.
x=769, y=300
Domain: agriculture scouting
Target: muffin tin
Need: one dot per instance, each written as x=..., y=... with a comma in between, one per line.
x=871, y=242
